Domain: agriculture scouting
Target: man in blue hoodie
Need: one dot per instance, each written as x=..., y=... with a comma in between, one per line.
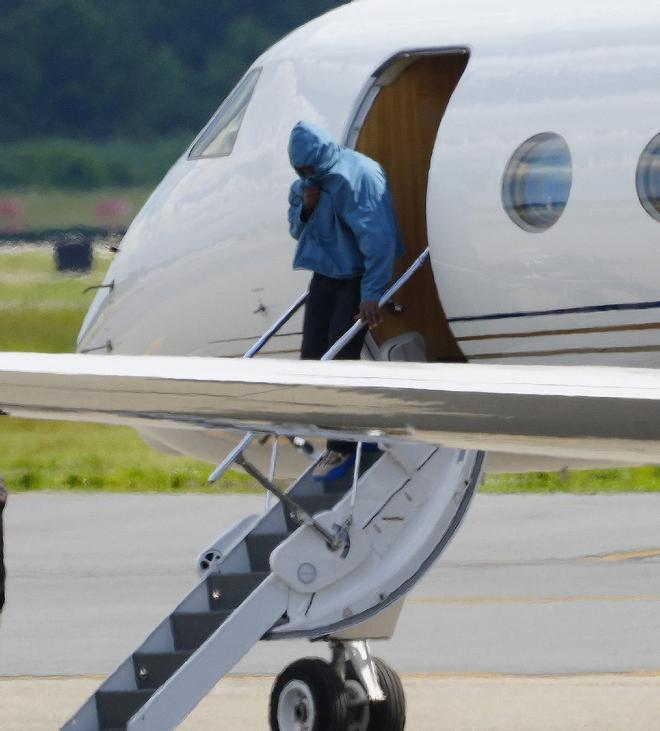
x=342, y=215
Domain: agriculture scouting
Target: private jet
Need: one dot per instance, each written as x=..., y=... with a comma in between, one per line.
x=522, y=145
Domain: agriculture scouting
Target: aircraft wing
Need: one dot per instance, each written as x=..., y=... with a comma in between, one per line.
x=592, y=412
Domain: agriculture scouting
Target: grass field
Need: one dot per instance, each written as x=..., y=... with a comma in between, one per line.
x=41, y=310
x=42, y=455
x=587, y=482
x=108, y=208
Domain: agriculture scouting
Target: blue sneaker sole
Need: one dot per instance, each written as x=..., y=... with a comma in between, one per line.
x=336, y=472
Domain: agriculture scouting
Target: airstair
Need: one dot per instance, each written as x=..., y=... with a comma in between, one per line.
x=330, y=561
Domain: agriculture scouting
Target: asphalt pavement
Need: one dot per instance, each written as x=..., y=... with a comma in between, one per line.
x=533, y=589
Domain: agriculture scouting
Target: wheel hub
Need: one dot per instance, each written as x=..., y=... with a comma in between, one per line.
x=301, y=712
x=296, y=709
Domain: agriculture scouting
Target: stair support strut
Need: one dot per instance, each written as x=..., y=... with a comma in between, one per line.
x=333, y=540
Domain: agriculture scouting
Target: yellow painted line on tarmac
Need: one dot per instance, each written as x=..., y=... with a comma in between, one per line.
x=626, y=555
x=534, y=599
x=100, y=678
x=431, y=675
x=23, y=678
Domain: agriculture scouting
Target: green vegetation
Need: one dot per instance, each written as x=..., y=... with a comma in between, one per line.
x=40, y=309
x=42, y=455
x=94, y=69
x=77, y=165
x=630, y=479
x=108, y=94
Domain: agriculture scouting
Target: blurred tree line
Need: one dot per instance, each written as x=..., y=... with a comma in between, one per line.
x=129, y=69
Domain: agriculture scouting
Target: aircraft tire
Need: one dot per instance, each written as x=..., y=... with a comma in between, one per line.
x=308, y=694
x=389, y=714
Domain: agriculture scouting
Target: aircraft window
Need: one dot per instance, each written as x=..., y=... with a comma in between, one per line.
x=537, y=182
x=219, y=136
x=648, y=178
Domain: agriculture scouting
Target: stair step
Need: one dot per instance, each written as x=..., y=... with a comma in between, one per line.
x=260, y=546
x=313, y=504
x=116, y=708
x=228, y=591
x=193, y=629
x=153, y=669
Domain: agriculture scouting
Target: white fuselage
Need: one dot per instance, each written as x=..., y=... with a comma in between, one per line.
x=212, y=245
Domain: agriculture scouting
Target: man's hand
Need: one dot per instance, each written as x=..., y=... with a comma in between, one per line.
x=370, y=313
x=311, y=198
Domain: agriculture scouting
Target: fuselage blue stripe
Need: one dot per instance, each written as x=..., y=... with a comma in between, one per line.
x=565, y=311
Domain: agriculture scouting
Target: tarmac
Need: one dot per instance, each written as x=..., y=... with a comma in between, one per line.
x=435, y=703
x=542, y=614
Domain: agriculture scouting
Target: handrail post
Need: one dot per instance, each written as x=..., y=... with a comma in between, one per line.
x=272, y=469
x=356, y=476
x=229, y=460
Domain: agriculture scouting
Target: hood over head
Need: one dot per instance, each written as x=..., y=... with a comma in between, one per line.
x=312, y=145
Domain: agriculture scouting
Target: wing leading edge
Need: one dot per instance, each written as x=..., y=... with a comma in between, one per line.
x=591, y=412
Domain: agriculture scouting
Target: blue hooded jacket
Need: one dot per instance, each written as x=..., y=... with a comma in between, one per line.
x=353, y=230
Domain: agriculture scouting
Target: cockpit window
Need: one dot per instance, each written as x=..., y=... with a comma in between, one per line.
x=219, y=136
x=537, y=182
x=648, y=178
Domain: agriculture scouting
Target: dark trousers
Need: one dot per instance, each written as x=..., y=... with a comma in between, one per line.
x=330, y=311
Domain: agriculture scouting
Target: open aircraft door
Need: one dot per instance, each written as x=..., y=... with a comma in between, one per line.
x=399, y=123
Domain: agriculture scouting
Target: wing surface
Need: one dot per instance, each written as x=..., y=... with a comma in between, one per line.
x=591, y=412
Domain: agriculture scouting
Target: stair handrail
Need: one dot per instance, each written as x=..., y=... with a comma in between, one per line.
x=250, y=353
x=339, y=345
x=360, y=324
x=277, y=326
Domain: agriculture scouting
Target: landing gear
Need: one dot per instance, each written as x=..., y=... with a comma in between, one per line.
x=309, y=696
x=382, y=687
x=391, y=713
x=354, y=692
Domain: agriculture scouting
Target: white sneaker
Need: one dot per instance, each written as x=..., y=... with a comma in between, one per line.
x=333, y=466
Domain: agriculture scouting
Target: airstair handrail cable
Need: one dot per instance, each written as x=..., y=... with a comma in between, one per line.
x=330, y=355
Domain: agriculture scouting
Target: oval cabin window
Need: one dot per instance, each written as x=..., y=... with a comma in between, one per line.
x=648, y=178
x=537, y=182
x=217, y=139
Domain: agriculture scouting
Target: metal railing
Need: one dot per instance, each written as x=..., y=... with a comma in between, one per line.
x=236, y=453
x=277, y=326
